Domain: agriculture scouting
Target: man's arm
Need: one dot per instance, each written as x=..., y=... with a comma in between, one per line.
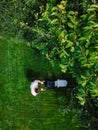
x=41, y=82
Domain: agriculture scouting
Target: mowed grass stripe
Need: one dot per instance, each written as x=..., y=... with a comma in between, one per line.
x=18, y=108
x=14, y=73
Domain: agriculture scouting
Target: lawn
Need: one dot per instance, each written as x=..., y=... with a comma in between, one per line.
x=19, y=110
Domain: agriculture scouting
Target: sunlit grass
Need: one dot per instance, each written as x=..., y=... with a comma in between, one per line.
x=19, y=65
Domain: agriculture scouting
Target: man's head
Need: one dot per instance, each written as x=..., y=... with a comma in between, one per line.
x=38, y=90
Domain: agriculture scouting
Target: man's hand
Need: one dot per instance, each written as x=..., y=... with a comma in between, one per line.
x=41, y=82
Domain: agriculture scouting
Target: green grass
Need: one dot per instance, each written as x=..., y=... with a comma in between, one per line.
x=19, y=110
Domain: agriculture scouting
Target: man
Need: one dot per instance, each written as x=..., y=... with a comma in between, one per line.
x=48, y=84
x=34, y=87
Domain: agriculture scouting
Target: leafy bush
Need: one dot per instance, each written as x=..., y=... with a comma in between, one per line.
x=71, y=38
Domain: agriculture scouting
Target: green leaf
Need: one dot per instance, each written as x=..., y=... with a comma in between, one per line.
x=72, y=49
x=91, y=16
x=94, y=6
x=70, y=25
x=69, y=44
x=82, y=39
x=88, y=28
x=81, y=99
x=84, y=83
x=71, y=36
x=94, y=92
x=82, y=102
x=87, y=44
x=72, y=19
x=61, y=6
x=63, y=68
x=55, y=21
x=71, y=12
x=96, y=26
x=54, y=9
x=65, y=53
x=54, y=14
x=84, y=16
x=91, y=9
x=87, y=52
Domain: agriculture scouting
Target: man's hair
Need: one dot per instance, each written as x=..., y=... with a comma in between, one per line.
x=37, y=90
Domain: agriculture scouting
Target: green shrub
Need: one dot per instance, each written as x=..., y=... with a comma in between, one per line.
x=71, y=38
